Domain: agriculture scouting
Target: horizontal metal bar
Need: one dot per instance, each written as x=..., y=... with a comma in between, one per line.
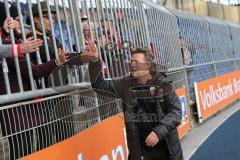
x=42, y=92
x=201, y=65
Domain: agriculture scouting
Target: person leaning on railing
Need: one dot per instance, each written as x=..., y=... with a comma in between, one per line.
x=20, y=144
x=12, y=50
x=29, y=45
x=48, y=30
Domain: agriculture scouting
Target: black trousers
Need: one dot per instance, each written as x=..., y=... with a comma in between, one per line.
x=156, y=155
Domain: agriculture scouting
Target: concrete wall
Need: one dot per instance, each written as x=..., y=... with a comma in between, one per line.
x=231, y=13
x=215, y=10
x=201, y=7
x=171, y=4
x=188, y=5
x=204, y=8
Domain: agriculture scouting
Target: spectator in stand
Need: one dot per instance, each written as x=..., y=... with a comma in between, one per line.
x=186, y=55
x=22, y=140
x=9, y=126
x=9, y=50
x=111, y=45
x=39, y=32
x=29, y=46
x=64, y=29
x=88, y=31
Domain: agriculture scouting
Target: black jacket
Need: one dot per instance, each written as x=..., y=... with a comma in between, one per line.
x=167, y=107
x=42, y=49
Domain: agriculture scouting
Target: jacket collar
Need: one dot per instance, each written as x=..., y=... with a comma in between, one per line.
x=39, y=33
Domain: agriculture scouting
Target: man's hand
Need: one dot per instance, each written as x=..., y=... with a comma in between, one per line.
x=31, y=45
x=90, y=53
x=8, y=24
x=62, y=58
x=152, y=139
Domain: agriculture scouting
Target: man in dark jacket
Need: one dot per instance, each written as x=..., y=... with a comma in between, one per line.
x=151, y=107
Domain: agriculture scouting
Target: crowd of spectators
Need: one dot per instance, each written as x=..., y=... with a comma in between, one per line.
x=102, y=40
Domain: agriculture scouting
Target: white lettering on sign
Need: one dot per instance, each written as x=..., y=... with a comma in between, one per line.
x=115, y=154
x=80, y=156
x=105, y=157
x=236, y=86
x=215, y=96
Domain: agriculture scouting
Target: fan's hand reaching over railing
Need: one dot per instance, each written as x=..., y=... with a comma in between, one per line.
x=90, y=53
x=31, y=45
x=62, y=57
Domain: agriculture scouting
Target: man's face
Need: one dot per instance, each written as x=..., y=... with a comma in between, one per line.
x=108, y=30
x=86, y=30
x=139, y=67
x=46, y=22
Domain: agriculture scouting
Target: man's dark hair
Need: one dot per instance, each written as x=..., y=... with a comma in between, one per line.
x=12, y=10
x=149, y=57
x=146, y=52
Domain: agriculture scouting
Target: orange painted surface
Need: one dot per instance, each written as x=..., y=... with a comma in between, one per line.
x=104, y=139
x=101, y=139
x=216, y=93
x=184, y=127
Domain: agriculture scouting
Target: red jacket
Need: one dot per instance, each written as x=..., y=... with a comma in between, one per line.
x=38, y=71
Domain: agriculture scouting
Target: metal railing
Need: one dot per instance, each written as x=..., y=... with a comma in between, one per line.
x=209, y=46
x=25, y=127
x=191, y=48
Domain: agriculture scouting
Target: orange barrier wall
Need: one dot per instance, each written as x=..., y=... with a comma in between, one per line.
x=214, y=94
x=185, y=125
x=102, y=141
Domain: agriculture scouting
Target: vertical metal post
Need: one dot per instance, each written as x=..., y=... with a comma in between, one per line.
x=140, y=15
x=127, y=20
x=97, y=106
x=102, y=50
x=79, y=28
x=59, y=24
x=5, y=73
x=134, y=21
x=145, y=22
x=74, y=25
x=44, y=36
x=34, y=36
x=24, y=38
x=126, y=33
x=118, y=32
x=106, y=54
x=54, y=38
x=112, y=32
x=19, y=78
x=211, y=52
x=67, y=25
